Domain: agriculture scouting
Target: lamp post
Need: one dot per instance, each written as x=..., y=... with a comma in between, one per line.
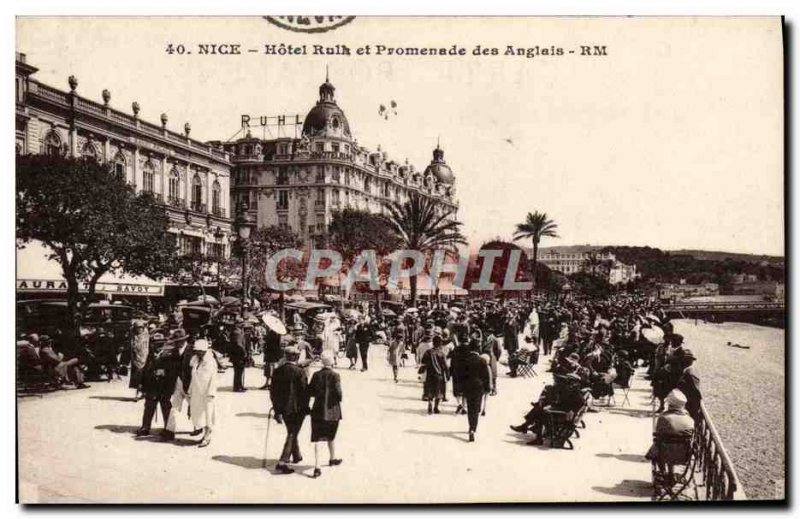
x=219, y=235
x=244, y=225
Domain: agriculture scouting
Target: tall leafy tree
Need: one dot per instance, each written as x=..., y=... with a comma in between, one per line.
x=264, y=242
x=93, y=222
x=535, y=227
x=353, y=230
x=419, y=226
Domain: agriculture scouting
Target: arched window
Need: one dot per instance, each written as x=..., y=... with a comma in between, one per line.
x=216, y=195
x=197, y=193
x=148, y=177
x=174, y=185
x=118, y=165
x=89, y=151
x=52, y=144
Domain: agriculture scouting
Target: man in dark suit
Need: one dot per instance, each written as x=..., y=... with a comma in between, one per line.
x=289, y=397
x=238, y=356
x=363, y=337
x=475, y=381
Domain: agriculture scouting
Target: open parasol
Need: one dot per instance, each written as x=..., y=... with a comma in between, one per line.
x=654, y=335
x=274, y=324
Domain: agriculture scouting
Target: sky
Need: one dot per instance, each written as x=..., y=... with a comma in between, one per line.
x=674, y=139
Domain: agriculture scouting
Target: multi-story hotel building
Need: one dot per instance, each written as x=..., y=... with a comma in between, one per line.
x=299, y=182
x=191, y=179
x=572, y=262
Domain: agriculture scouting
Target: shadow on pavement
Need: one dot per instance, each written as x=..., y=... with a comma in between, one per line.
x=251, y=462
x=628, y=488
x=115, y=398
x=422, y=411
x=457, y=435
x=624, y=457
x=121, y=429
x=395, y=397
x=253, y=415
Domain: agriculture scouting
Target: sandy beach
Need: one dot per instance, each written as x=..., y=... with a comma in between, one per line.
x=744, y=391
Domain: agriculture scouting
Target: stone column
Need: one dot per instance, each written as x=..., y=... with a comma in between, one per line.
x=138, y=182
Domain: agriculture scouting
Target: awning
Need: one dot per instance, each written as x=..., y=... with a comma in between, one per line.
x=37, y=273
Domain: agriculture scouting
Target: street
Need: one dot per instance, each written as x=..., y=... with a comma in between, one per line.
x=78, y=446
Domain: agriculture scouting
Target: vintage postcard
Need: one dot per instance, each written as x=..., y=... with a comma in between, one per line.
x=406, y=260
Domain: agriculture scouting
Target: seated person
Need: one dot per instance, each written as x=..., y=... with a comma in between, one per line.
x=28, y=360
x=564, y=395
x=672, y=434
x=624, y=369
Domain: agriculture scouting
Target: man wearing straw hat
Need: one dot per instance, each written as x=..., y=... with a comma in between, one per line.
x=289, y=397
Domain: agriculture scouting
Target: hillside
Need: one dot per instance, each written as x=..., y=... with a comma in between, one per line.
x=722, y=256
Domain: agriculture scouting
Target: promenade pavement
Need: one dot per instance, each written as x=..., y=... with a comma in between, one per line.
x=78, y=446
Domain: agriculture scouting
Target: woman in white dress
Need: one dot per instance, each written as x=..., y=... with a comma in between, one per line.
x=202, y=390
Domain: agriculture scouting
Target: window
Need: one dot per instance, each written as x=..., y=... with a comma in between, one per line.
x=89, y=151
x=283, y=176
x=174, y=185
x=320, y=174
x=215, y=199
x=319, y=146
x=335, y=147
x=283, y=149
x=52, y=144
x=283, y=200
x=336, y=196
x=320, y=194
x=367, y=184
x=197, y=193
x=283, y=221
x=119, y=165
x=148, y=180
x=337, y=172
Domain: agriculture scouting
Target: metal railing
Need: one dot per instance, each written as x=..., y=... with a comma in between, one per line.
x=715, y=466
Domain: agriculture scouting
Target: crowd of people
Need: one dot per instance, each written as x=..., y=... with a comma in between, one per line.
x=456, y=350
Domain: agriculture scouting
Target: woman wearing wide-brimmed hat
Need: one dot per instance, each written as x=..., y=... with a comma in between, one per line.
x=326, y=412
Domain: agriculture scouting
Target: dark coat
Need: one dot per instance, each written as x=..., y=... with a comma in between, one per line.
x=272, y=347
x=326, y=390
x=160, y=373
x=289, y=392
x=473, y=375
x=458, y=359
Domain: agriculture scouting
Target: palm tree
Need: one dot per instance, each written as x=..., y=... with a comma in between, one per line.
x=593, y=261
x=418, y=227
x=535, y=227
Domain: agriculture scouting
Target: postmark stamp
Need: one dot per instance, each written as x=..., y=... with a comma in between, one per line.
x=309, y=24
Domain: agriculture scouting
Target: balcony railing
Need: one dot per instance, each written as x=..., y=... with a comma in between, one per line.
x=198, y=207
x=176, y=202
x=716, y=468
x=218, y=211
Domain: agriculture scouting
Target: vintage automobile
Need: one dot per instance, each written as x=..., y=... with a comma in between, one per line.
x=305, y=311
x=105, y=330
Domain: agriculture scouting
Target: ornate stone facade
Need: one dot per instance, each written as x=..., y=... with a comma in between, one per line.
x=190, y=178
x=299, y=183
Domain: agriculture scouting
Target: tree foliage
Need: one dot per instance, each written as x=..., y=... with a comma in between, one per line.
x=418, y=226
x=535, y=227
x=353, y=230
x=665, y=267
x=92, y=220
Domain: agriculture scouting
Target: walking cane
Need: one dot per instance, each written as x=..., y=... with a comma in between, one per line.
x=266, y=439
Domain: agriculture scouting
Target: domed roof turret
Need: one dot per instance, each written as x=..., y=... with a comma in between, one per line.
x=439, y=168
x=326, y=118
